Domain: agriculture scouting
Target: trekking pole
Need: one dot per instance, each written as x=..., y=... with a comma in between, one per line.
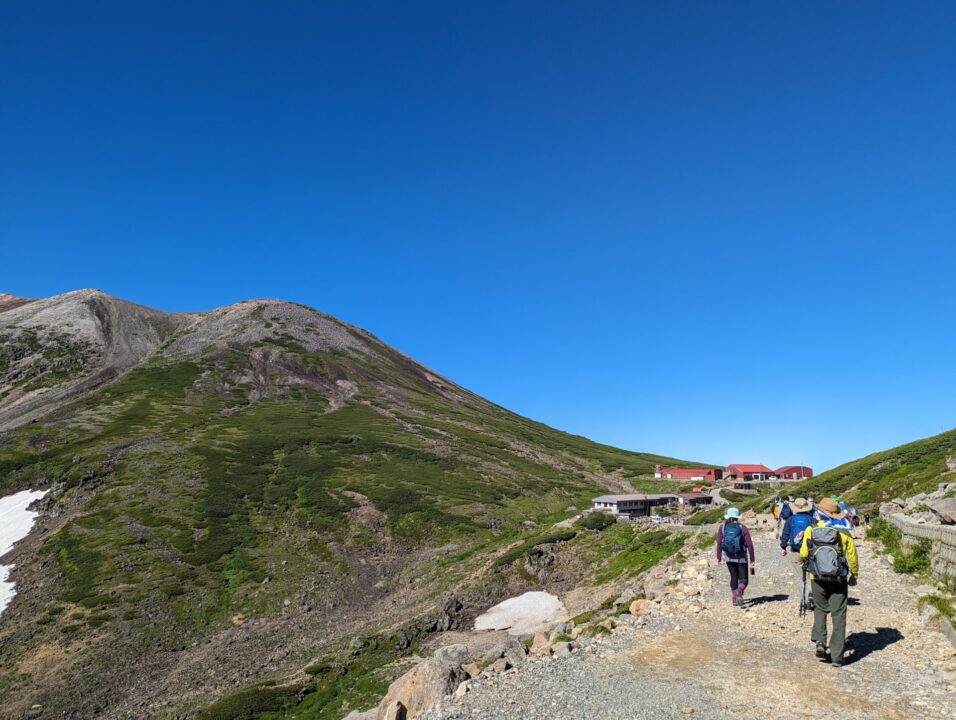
x=803, y=593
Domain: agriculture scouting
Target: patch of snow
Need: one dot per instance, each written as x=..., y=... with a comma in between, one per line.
x=525, y=614
x=15, y=524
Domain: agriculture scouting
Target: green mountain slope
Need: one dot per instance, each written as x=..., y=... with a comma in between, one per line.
x=901, y=472
x=263, y=483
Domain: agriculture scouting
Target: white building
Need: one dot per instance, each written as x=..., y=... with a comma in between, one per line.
x=634, y=505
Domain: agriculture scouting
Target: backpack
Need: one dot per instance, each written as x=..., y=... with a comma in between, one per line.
x=733, y=541
x=785, y=511
x=798, y=525
x=827, y=563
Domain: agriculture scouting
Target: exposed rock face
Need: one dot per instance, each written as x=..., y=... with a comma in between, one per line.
x=8, y=302
x=426, y=684
x=57, y=349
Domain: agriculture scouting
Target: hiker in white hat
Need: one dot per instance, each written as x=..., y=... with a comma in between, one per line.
x=734, y=545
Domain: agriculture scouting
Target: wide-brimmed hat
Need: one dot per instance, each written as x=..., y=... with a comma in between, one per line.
x=829, y=507
x=800, y=505
x=732, y=514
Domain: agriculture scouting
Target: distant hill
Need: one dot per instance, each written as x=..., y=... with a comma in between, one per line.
x=901, y=472
x=235, y=492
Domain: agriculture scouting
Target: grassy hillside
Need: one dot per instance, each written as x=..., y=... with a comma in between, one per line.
x=901, y=472
x=268, y=484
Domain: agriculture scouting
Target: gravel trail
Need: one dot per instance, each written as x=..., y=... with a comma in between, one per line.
x=700, y=657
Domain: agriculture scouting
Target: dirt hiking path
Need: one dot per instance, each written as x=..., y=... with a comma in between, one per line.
x=702, y=657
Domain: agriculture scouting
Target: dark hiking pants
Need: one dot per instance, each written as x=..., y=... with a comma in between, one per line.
x=738, y=574
x=830, y=600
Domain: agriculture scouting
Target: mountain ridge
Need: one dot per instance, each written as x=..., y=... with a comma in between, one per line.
x=246, y=488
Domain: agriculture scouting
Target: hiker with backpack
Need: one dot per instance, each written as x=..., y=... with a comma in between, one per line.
x=733, y=546
x=786, y=512
x=830, y=553
x=791, y=538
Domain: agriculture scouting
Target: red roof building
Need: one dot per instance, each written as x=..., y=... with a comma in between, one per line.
x=710, y=475
x=794, y=472
x=749, y=472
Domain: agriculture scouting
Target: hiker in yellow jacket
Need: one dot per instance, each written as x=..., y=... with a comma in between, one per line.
x=833, y=566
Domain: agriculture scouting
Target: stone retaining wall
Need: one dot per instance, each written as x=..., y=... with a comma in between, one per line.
x=943, y=538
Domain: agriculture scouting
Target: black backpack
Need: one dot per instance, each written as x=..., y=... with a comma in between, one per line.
x=827, y=563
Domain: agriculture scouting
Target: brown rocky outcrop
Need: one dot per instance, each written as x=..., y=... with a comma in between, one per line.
x=425, y=685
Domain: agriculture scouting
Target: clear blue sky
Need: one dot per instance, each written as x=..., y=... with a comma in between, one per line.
x=722, y=231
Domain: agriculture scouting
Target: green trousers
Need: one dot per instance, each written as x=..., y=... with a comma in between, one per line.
x=830, y=600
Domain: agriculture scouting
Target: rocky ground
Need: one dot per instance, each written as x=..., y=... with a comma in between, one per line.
x=690, y=653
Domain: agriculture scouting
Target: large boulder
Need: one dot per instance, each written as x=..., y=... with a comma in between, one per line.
x=426, y=684
x=944, y=509
x=892, y=507
x=511, y=649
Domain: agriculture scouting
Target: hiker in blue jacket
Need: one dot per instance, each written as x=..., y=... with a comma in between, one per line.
x=792, y=536
x=734, y=545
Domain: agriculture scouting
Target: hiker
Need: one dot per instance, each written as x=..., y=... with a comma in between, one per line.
x=843, y=523
x=786, y=512
x=792, y=536
x=733, y=546
x=830, y=552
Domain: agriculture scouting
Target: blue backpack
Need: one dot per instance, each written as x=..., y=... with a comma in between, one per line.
x=798, y=525
x=785, y=511
x=733, y=542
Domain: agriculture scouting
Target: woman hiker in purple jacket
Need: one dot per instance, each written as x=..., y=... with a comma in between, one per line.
x=733, y=546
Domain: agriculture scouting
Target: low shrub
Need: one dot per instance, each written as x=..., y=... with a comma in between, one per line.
x=249, y=703
x=521, y=551
x=943, y=604
x=914, y=560
x=596, y=521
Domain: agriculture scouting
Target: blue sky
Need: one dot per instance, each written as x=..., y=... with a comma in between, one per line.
x=722, y=231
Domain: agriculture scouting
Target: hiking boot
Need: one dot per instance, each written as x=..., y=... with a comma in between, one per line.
x=733, y=598
x=821, y=650
x=837, y=663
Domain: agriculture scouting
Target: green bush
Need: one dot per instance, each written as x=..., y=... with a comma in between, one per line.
x=596, y=521
x=249, y=703
x=914, y=560
x=917, y=560
x=525, y=548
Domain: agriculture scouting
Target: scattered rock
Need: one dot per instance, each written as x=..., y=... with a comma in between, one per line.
x=500, y=665
x=511, y=649
x=539, y=645
x=561, y=649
